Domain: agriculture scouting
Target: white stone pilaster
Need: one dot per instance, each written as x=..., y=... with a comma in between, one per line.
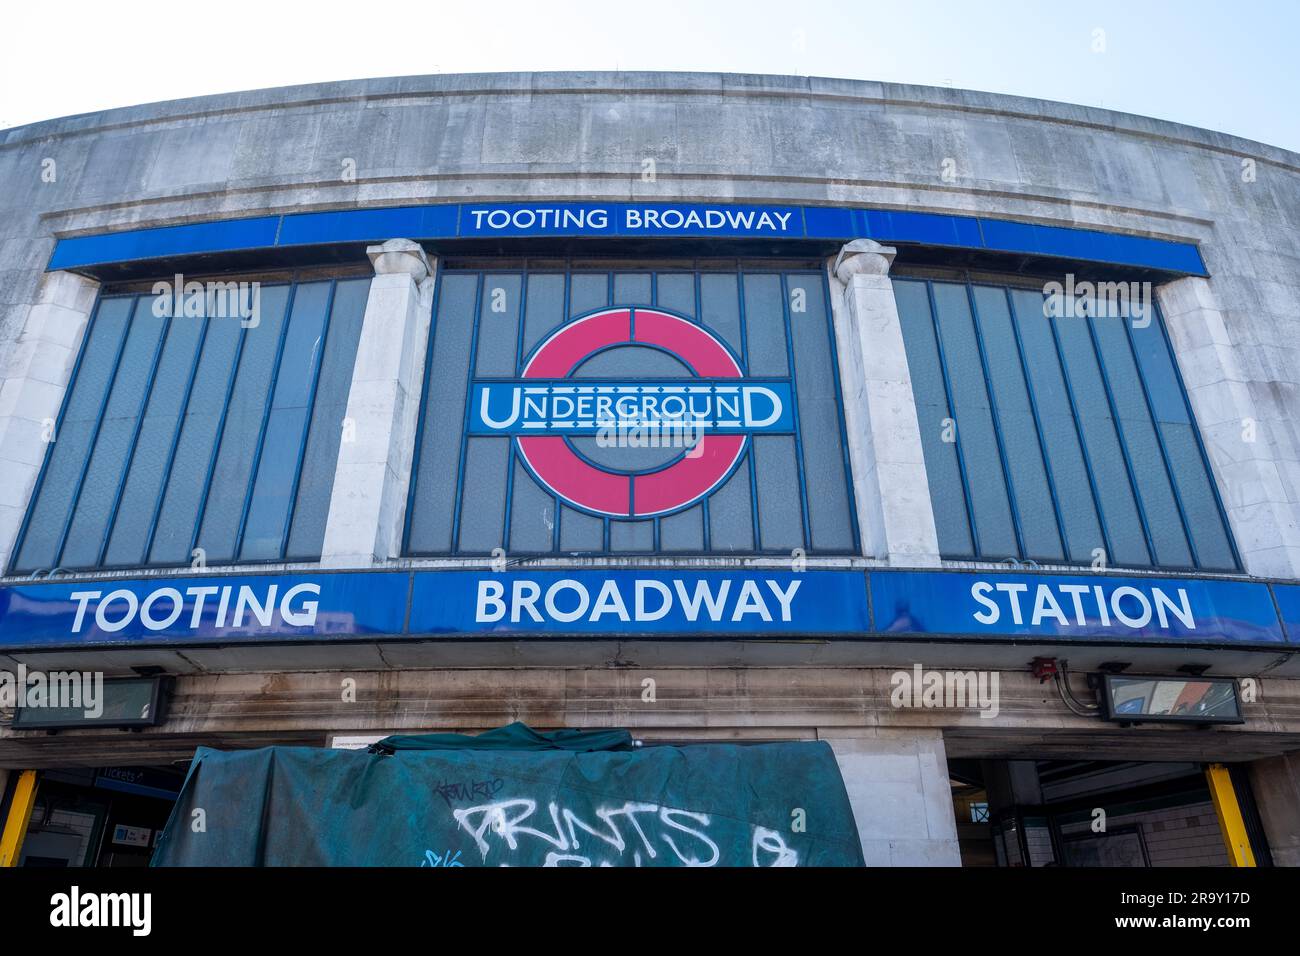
x=889, y=477
x=1242, y=455
x=36, y=374
x=368, y=504
x=897, y=781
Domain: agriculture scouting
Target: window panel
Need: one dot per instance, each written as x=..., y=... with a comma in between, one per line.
x=1068, y=402
x=773, y=468
x=73, y=436
x=947, y=492
x=166, y=419
x=1015, y=419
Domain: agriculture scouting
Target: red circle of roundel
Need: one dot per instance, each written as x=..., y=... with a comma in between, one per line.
x=683, y=482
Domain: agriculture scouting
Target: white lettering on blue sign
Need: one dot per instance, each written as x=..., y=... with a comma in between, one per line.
x=581, y=409
x=1080, y=605
x=566, y=601
x=163, y=607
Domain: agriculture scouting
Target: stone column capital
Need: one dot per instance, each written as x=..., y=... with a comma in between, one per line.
x=865, y=257
x=398, y=257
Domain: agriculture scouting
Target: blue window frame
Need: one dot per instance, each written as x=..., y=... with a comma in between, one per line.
x=212, y=426
x=473, y=493
x=1059, y=439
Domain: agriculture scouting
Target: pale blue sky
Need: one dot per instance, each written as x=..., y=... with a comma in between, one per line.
x=1228, y=66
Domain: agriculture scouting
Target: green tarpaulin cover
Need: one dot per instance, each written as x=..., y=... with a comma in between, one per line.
x=514, y=797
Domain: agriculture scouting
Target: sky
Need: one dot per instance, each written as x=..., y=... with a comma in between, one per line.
x=1229, y=66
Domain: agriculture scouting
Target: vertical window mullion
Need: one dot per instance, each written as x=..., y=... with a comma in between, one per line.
x=1038, y=428
x=511, y=460
x=952, y=414
x=221, y=437
x=94, y=435
x=839, y=410
x=699, y=320
x=176, y=439
x=425, y=382
x=997, y=421
x=266, y=417
x=794, y=396
x=58, y=425
x=1164, y=452
x=1123, y=443
x=749, y=453
x=464, y=430
x=1083, y=439
x=135, y=438
x=1196, y=435
x=307, y=419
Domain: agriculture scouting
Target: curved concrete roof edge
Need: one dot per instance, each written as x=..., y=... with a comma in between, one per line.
x=648, y=83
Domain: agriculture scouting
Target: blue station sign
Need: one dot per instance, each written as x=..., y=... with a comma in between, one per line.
x=647, y=603
x=1074, y=607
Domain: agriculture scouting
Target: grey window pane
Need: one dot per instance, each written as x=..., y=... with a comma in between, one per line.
x=197, y=444
x=434, y=488
x=720, y=308
x=627, y=537
x=587, y=292
x=311, y=510
x=975, y=433
x=1119, y=510
x=158, y=432
x=580, y=532
x=286, y=427
x=1157, y=366
x=633, y=288
x=483, y=510
x=765, y=326
x=543, y=309
x=499, y=334
x=239, y=435
x=117, y=429
x=1154, y=487
x=1060, y=436
x=1195, y=487
x=1033, y=496
x=942, y=470
x=683, y=531
x=779, y=511
x=532, y=516
x=75, y=432
x=731, y=524
x=676, y=292
x=829, y=512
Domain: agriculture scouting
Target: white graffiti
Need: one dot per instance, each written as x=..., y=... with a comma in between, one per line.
x=771, y=842
x=641, y=831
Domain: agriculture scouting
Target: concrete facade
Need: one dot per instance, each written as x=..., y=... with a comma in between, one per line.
x=673, y=137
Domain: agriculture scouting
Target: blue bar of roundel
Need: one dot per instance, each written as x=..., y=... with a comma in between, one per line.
x=369, y=225
x=445, y=604
x=221, y=236
x=946, y=603
x=348, y=605
x=1288, y=602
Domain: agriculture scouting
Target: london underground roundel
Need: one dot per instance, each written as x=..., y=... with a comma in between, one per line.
x=704, y=417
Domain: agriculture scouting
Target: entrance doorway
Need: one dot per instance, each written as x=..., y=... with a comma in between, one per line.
x=105, y=816
x=1093, y=813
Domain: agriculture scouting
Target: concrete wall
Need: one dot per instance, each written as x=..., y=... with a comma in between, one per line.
x=715, y=136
